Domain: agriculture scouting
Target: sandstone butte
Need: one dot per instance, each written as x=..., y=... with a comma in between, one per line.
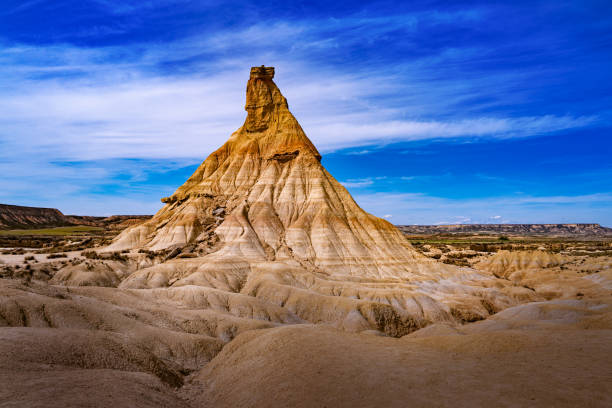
x=285, y=293
x=267, y=220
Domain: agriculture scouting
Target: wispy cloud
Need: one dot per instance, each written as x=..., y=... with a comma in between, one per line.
x=89, y=187
x=25, y=5
x=368, y=181
x=358, y=152
x=136, y=116
x=348, y=134
x=357, y=183
x=96, y=103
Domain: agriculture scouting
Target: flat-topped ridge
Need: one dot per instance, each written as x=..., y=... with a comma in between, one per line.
x=576, y=229
x=16, y=216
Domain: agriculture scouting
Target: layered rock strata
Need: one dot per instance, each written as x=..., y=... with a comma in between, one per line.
x=262, y=217
x=16, y=216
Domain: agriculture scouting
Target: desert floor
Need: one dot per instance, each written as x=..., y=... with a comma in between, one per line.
x=85, y=341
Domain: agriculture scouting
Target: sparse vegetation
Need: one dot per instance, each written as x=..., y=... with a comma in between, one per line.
x=150, y=254
x=456, y=261
x=59, y=231
x=113, y=256
x=90, y=254
x=468, y=249
x=57, y=255
x=117, y=256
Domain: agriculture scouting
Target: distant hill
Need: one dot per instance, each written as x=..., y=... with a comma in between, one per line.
x=20, y=217
x=562, y=230
x=118, y=222
x=16, y=216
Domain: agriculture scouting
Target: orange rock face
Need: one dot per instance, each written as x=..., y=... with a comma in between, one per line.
x=266, y=196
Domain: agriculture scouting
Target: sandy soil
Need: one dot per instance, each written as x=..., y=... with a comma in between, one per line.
x=193, y=346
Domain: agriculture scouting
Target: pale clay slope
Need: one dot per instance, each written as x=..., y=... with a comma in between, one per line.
x=294, y=301
x=134, y=347
x=306, y=366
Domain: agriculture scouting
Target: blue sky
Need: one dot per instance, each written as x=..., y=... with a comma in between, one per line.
x=428, y=112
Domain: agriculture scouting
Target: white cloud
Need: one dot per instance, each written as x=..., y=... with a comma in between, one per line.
x=357, y=183
x=154, y=118
x=343, y=134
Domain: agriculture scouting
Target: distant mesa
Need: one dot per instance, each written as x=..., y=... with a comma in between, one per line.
x=561, y=230
x=15, y=216
x=21, y=217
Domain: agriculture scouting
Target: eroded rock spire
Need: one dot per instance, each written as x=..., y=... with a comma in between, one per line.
x=262, y=217
x=262, y=96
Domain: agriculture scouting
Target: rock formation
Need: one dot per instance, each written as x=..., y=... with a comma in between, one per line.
x=265, y=196
x=261, y=216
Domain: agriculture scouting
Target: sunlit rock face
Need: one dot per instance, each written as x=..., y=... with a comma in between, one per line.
x=264, y=218
x=261, y=99
x=266, y=196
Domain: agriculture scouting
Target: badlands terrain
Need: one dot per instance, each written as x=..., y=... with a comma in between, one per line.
x=261, y=282
x=545, y=230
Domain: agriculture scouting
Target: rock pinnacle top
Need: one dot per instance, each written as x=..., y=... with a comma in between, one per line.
x=262, y=98
x=262, y=72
